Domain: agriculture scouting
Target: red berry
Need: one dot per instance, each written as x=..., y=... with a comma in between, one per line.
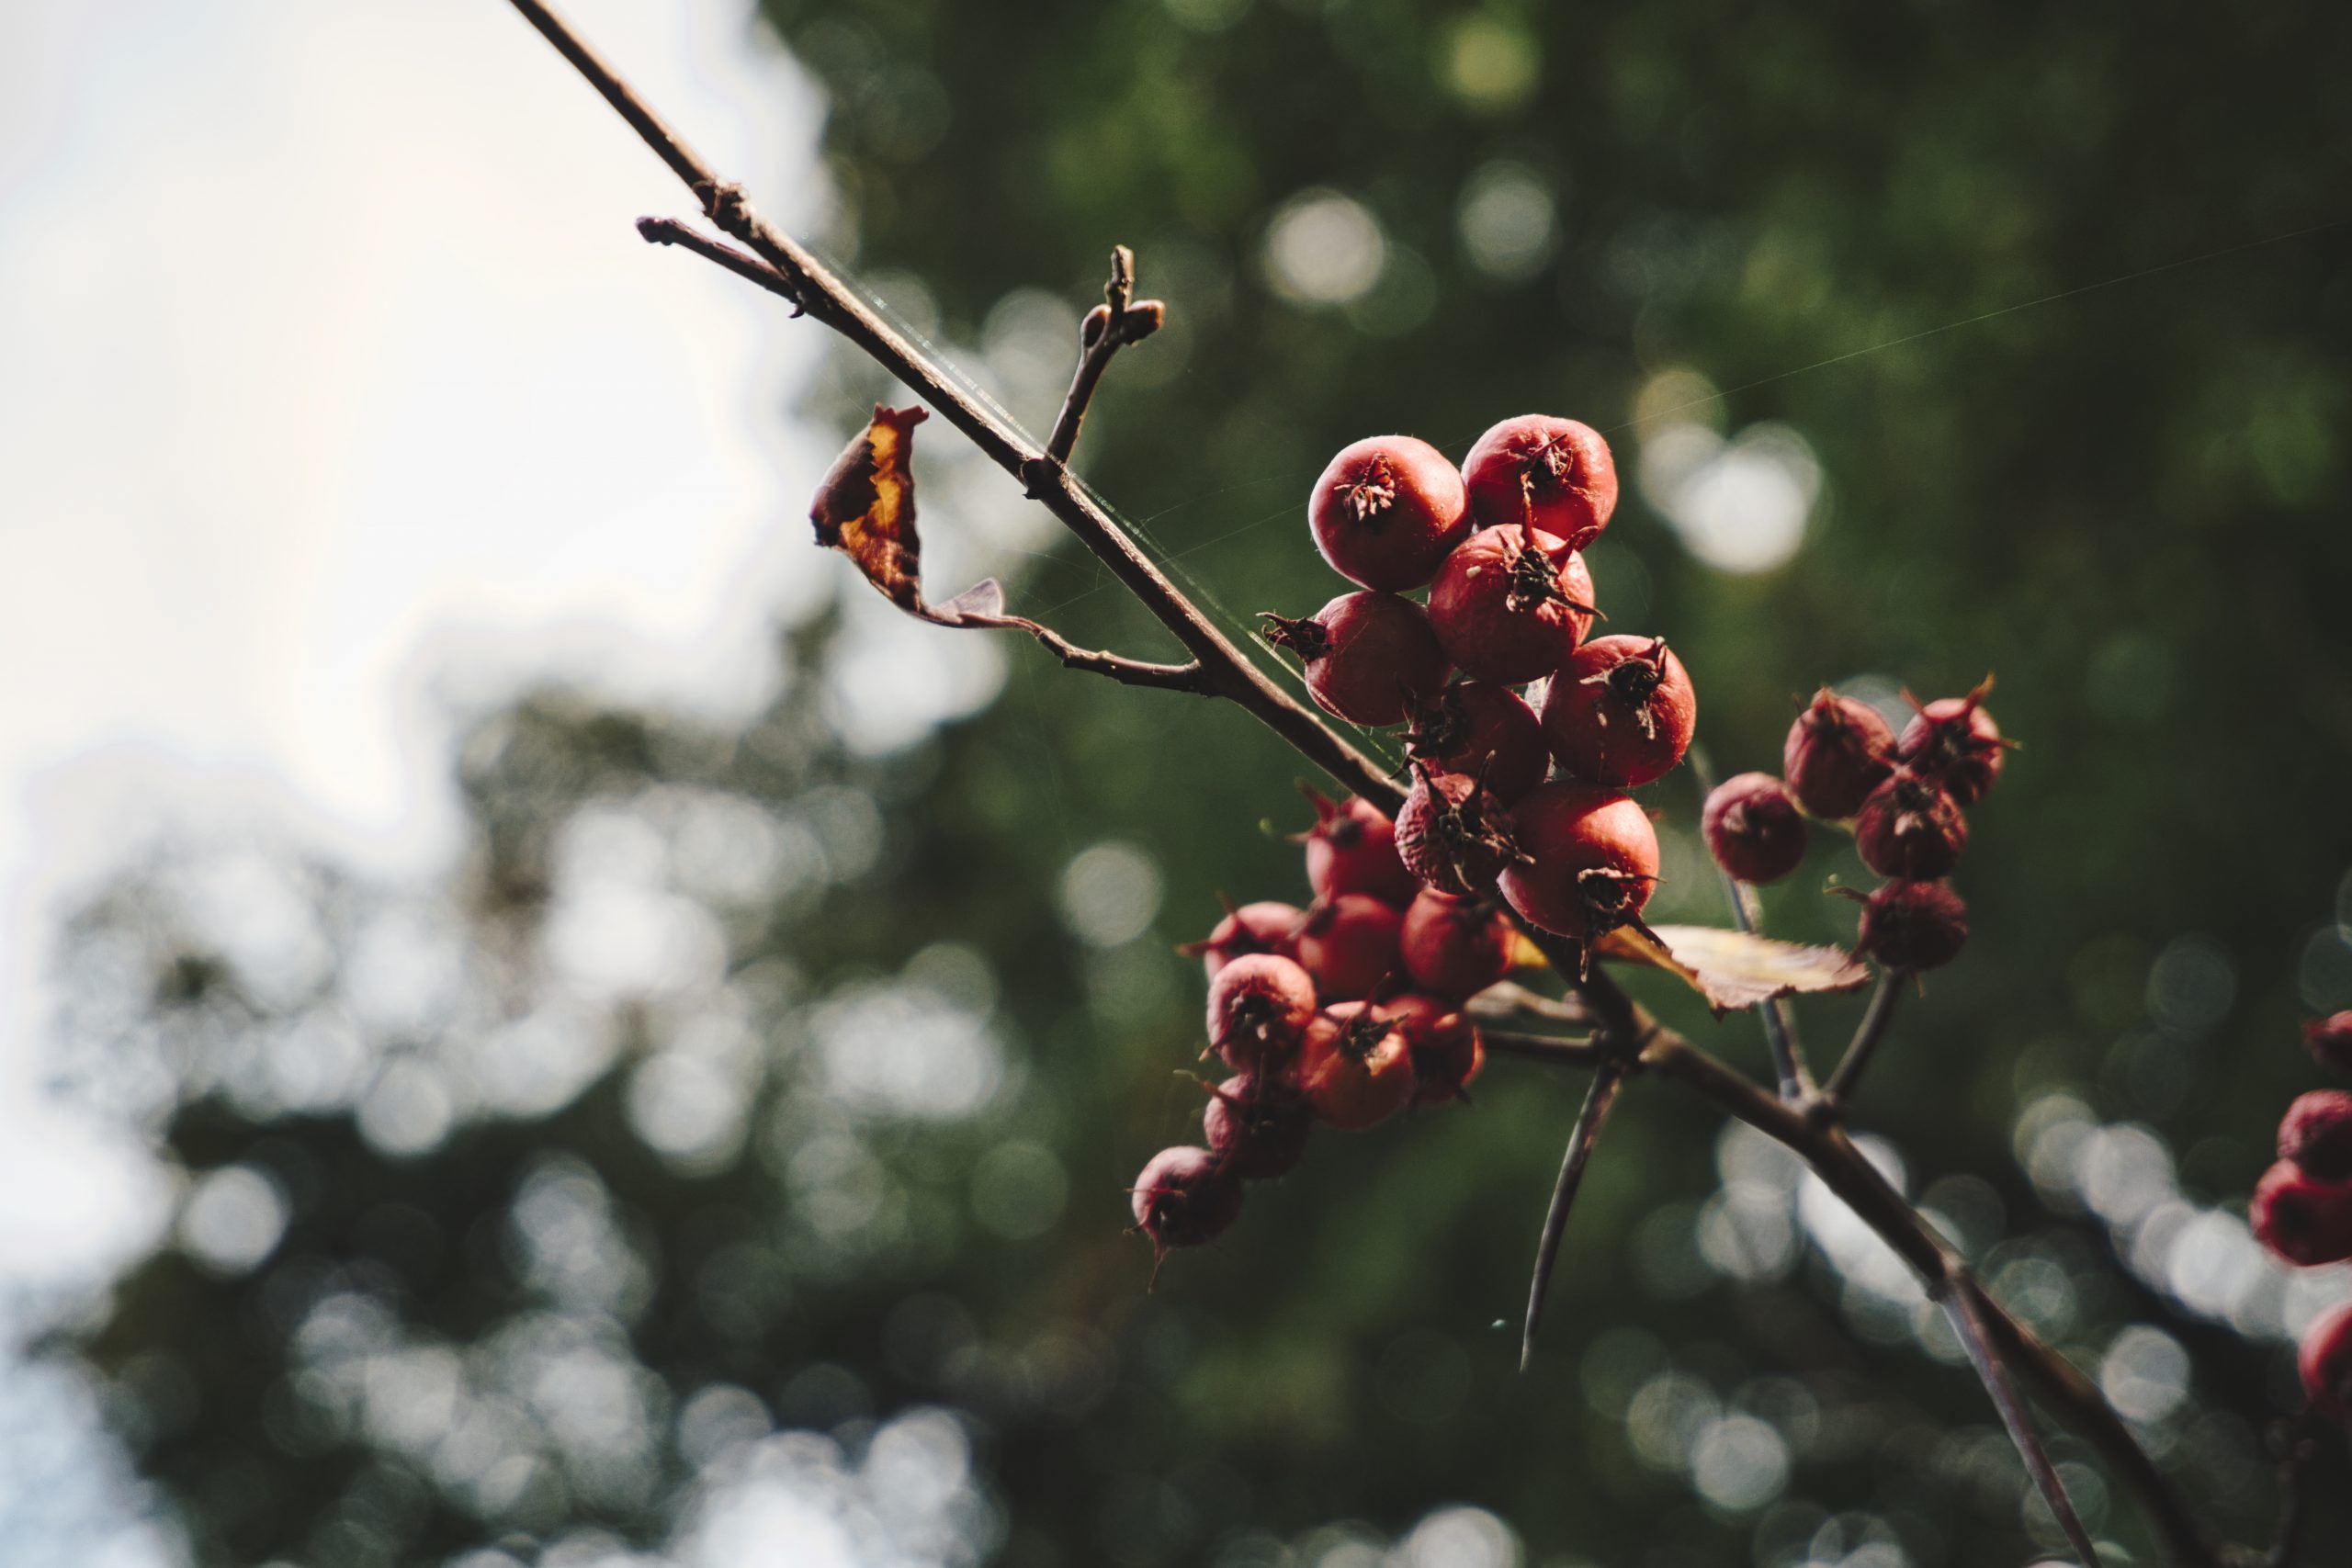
x=1838, y=751
x=2325, y=1363
x=1454, y=947
x=1912, y=926
x=1185, y=1198
x=2316, y=1133
x=1753, y=829
x=1256, y=1127
x=1955, y=741
x=1552, y=473
x=2330, y=1040
x=1620, y=711
x=1265, y=927
x=1590, y=859
x=1443, y=1043
x=1353, y=848
x=1910, y=827
x=1511, y=604
x=1259, y=1006
x=1355, y=1067
x=1349, y=945
x=1386, y=511
x=1368, y=656
x=2303, y=1220
x=1484, y=731
x=1453, y=834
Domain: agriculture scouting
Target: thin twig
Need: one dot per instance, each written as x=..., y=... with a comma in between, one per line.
x=1867, y=1036
x=670, y=231
x=1963, y=1304
x=1539, y=1047
x=815, y=288
x=1108, y=328
x=1606, y=1081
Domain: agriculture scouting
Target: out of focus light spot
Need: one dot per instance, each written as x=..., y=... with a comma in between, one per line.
x=2144, y=1374
x=2324, y=979
x=1019, y=1190
x=2192, y=985
x=1490, y=64
x=407, y=1110
x=1667, y=1417
x=717, y=1419
x=1507, y=224
x=1110, y=893
x=688, y=1110
x=902, y=1050
x=232, y=1219
x=1323, y=248
x=1739, y=1463
x=1740, y=505
x=1458, y=1536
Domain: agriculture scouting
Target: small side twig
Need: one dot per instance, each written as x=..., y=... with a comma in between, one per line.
x=1598, y=1098
x=1189, y=676
x=1966, y=1308
x=1867, y=1036
x=1108, y=328
x=1540, y=1048
x=670, y=231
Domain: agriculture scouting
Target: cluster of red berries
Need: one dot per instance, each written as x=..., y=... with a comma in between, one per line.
x=1342, y=1014
x=2303, y=1209
x=1905, y=797
x=1498, y=544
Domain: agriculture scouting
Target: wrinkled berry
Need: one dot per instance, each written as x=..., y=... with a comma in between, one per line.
x=1910, y=829
x=1838, y=750
x=2316, y=1134
x=1259, y=1005
x=1753, y=829
x=1456, y=947
x=2305, y=1221
x=1349, y=945
x=1912, y=926
x=1453, y=834
x=2324, y=1360
x=1183, y=1199
x=1355, y=1067
x=1264, y=927
x=1482, y=731
x=1955, y=741
x=1443, y=1043
x=1353, y=848
x=2330, y=1040
x=1256, y=1127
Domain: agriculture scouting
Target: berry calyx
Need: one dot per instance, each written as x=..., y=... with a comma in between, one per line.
x=1482, y=730
x=1353, y=848
x=1454, y=947
x=1256, y=1126
x=1443, y=1043
x=1453, y=834
x=2330, y=1040
x=1838, y=751
x=2324, y=1361
x=1912, y=926
x=1553, y=474
x=1911, y=829
x=1263, y=927
x=1386, y=509
x=1368, y=656
x=2316, y=1136
x=1355, y=1067
x=1589, y=859
x=2301, y=1219
x=1349, y=945
x=1753, y=827
x=1259, y=1005
x=1511, y=604
x=1185, y=1198
x=1620, y=711
x=1955, y=741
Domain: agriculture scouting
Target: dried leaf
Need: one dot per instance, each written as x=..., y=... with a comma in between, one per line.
x=982, y=602
x=1733, y=969
x=865, y=509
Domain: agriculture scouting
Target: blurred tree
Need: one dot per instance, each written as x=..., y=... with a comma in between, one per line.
x=755, y=1094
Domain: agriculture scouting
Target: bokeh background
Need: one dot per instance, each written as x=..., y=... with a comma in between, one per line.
x=547, y=1026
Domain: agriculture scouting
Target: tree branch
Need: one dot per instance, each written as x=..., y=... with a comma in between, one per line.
x=1963, y=1304
x=1581, y=1137
x=1108, y=328
x=1867, y=1035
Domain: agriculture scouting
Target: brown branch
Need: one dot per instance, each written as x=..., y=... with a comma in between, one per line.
x=1227, y=670
x=1581, y=1137
x=1108, y=328
x=1540, y=1048
x=1187, y=677
x=1867, y=1036
x=1963, y=1302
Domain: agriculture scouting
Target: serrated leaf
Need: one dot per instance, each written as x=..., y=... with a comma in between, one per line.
x=1733, y=970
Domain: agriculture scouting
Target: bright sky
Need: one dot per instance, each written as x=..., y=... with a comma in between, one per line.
x=335, y=379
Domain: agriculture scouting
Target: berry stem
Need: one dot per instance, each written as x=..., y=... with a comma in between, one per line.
x=1867, y=1035
x=1598, y=1098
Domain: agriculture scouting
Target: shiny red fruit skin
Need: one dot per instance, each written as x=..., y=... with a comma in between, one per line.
x=1910, y=829
x=1912, y=926
x=2303, y=1220
x=1483, y=731
x=1386, y=509
x=1838, y=751
x=1592, y=859
x=2324, y=1360
x=1368, y=656
x=1753, y=827
x=1353, y=848
x=1555, y=474
x=1355, y=1068
x=2316, y=1136
x=1955, y=741
x=1349, y=945
x=1259, y=1006
x=1444, y=1044
x=1185, y=1198
x=2330, y=1040
x=1511, y=604
x=1454, y=948
x=1620, y=711
x=1262, y=927
x=1256, y=1127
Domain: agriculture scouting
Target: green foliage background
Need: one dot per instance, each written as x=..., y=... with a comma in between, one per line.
x=2129, y=501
